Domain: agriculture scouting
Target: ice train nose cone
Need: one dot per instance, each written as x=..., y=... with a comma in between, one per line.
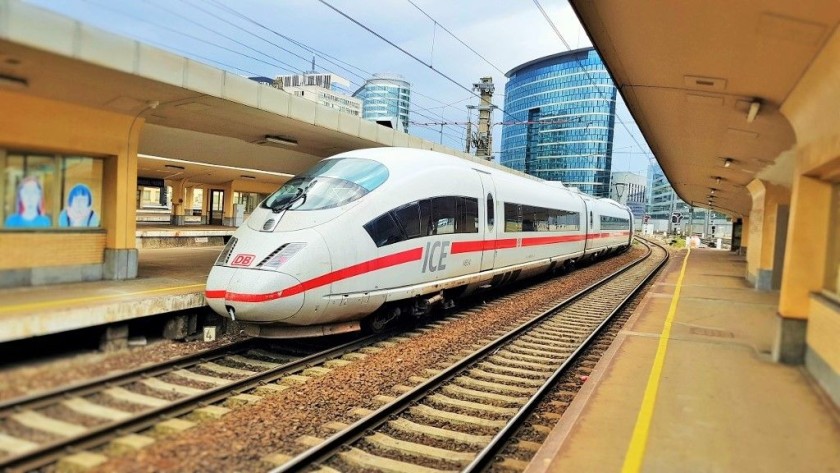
x=263, y=296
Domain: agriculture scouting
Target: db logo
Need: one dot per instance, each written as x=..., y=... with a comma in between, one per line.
x=242, y=260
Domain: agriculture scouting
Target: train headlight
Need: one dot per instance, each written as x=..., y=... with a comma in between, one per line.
x=280, y=256
x=225, y=254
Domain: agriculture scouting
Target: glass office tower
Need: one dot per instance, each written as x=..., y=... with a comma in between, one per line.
x=560, y=114
x=386, y=97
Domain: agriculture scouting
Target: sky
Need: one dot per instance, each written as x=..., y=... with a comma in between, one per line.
x=277, y=37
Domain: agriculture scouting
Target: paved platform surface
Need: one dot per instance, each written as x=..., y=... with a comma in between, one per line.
x=722, y=404
x=169, y=279
x=145, y=230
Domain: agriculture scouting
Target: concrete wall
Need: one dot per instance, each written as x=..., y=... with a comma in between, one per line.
x=40, y=125
x=769, y=203
x=812, y=110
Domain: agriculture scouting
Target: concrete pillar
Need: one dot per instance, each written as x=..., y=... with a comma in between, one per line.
x=205, y=205
x=745, y=235
x=189, y=196
x=115, y=337
x=119, y=212
x=179, y=327
x=178, y=193
x=769, y=203
x=227, y=220
x=804, y=273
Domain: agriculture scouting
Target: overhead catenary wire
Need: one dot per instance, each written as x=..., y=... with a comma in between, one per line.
x=278, y=64
x=404, y=51
x=415, y=109
x=456, y=37
x=321, y=54
x=591, y=79
x=183, y=51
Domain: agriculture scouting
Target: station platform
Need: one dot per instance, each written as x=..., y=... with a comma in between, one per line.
x=715, y=403
x=180, y=236
x=169, y=279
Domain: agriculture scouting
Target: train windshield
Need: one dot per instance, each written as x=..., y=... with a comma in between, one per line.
x=330, y=183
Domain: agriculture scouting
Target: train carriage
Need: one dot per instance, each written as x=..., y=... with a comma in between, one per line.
x=373, y=234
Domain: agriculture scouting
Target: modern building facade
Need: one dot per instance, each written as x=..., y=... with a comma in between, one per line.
x=386, y=98
x=562, y=109
x=326, y=89
x=631, y=190
x=666, y=212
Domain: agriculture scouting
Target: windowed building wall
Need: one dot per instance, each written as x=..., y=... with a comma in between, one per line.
x=631, y=190
x=668, y=213
x=563, y=107
x=325, y=89
x=386, y=97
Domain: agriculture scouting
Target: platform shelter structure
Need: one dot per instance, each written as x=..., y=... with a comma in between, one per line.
x=737, y=100
x=85, y=113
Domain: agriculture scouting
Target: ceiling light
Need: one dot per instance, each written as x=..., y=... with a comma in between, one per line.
x=727, y=162
x=174, y=166
x=712, y=189
x=14, y=82
x=754, y=106
x=279, y=140
x=717, y=180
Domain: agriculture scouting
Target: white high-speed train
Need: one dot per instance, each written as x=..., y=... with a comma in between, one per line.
x=367, y=235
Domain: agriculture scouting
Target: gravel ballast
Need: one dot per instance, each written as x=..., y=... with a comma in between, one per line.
x=240, y=440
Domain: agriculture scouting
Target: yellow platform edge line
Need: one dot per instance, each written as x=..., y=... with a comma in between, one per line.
x=77, y=300
x=638, y=443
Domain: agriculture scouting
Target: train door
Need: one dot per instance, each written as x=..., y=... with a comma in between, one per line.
x=217, y=207
x=488, y=230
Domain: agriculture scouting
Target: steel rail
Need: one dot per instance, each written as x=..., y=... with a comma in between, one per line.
x=487, y=455
x=360, y=428
x=40, y=399
x=49, y=453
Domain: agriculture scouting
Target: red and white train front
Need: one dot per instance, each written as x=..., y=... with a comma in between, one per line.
x=277, y=268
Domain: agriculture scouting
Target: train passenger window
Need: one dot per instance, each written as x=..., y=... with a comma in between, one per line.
x=531, y=218
x=614, y=223
x=469, y=214
x=408, y=216
x=513, y=217
x=567, y=220
x=435, y=216
x=444, y=215
x=491, y=211
x=384, y=230
x=427, y=226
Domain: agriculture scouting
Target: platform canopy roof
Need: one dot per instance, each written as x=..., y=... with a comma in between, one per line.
x=691, y=71
x=202, y=114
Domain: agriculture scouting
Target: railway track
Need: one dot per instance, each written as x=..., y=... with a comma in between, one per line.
x=105, y=415
x=460, y=418
x=38, y=430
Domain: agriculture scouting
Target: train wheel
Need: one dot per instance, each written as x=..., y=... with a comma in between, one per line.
x=379, y=320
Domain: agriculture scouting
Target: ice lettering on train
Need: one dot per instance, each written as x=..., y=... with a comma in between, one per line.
x=429, y=258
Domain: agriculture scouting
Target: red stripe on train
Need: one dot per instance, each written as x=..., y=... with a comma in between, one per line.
x=536, y=241
x=373, y=265
x=345, y=273
x=482, y=245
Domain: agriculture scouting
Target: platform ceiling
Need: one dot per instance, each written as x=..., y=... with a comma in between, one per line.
x=186, y=124
x=689, y=72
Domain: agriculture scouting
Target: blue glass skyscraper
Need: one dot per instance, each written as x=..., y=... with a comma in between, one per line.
x=386, y=97
x=560, y=115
